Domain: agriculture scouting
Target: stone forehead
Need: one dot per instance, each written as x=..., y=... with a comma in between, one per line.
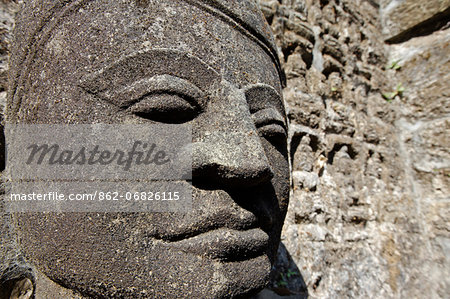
x=247, y=14
x=39, y=17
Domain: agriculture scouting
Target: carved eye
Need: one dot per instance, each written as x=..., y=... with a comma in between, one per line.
x=265, y=105
x=166, y=107
x=162, y=98
x=270, y=125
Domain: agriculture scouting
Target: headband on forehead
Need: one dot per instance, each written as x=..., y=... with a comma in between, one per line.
x=250, y=20
x=30, y=34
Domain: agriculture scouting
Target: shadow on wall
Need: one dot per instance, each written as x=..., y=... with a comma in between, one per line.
x=286, y=280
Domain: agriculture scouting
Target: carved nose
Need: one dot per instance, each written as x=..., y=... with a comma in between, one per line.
x=236, y=162
x=229, y=151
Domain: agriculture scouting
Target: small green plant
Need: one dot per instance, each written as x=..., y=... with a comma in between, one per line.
x=284, y=277
x=394, y=65
x=335, y=92
x=291, y=273
x=399, y=90
x=444, y=172
x=282, y=282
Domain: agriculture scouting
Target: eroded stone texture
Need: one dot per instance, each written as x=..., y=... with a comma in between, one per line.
x=358, y=224
x=134, y=62
x=374, y=221
x=401, y=16
x=423, y=114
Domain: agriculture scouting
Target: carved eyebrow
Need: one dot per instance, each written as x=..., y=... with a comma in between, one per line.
x=147, y=64
x=131, y=93
x=262, y=96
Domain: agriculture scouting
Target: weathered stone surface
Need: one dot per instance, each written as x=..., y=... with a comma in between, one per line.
x=363, y=229
x=423, y=121
x=424, y=73
x=68, y=61
x=400, y=16
x=369, y=211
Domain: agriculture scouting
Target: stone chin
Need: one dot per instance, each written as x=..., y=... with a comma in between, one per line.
x=226, y=251
x=180, y=275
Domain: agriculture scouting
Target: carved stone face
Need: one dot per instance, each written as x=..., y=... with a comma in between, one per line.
x=98, y=61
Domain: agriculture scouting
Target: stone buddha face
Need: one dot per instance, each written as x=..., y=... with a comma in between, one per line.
x=96, y=65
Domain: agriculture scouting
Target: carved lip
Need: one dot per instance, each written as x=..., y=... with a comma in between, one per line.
x=204, y=223
x=226, y=244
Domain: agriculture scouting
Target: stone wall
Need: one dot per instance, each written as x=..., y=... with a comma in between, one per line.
x=419, y=37
x=369, y=206
x=369, y=211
